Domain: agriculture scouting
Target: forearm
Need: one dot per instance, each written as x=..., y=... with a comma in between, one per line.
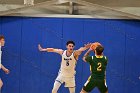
x=83, y=49
x=80, y=50
x=59, y=51
x=47, y=49
x=86, y=46
x=50, y=49
x=86, y=54
x=3, y=68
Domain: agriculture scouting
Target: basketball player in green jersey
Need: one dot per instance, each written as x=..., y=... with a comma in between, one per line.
x=98, y=65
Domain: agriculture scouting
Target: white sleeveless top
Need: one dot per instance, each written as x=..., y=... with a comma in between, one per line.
x=0, y=56
x=68, y=65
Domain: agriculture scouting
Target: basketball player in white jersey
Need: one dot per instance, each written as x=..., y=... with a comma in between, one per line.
x=67, y=70
x=2, y=42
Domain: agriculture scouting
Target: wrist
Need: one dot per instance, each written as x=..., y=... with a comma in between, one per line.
x=44, y=49
x=86, y=55
x=5, y=69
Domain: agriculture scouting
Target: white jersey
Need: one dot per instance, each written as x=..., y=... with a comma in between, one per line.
x=68, y=65
x=0, y=56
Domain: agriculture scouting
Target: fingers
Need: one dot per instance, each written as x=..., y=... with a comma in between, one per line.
x=87, y=45
x=39, y=47
x=7, y=71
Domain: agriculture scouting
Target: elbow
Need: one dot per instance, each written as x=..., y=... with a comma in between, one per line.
x=84, y=59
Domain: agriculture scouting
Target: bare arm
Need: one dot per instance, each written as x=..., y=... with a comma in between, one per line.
x=81, y=49
x=59, y=51
x=86, y=54
x=5, y=69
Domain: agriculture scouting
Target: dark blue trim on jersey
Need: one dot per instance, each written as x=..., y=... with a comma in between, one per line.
x=67, y=55
x=58, y=81
x=71, y=87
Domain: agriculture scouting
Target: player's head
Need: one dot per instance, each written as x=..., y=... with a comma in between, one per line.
x=99, y=50
x=2, y=40
x=70, y=45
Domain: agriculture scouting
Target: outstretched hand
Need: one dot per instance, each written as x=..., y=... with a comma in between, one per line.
x=87, y=45
x=40, y=48
x=7, y=71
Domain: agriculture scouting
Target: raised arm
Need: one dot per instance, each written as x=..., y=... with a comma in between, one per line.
x=81, y=49
x=59, y=51
x=86, y=54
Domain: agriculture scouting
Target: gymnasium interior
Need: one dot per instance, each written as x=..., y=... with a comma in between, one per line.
x=51, y=23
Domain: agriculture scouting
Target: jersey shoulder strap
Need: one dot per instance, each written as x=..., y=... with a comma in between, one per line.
x=92, y=57
x=73, y=52
x=64, y=52
x=105, y=57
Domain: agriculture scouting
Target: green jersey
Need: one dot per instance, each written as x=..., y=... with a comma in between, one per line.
x=97, y=66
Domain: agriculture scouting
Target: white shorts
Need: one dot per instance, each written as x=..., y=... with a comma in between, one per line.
x=69, y=81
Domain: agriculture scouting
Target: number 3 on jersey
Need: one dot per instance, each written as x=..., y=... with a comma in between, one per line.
x=67, y=63
x=99, y=66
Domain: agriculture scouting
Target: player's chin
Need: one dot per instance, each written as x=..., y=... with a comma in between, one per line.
x=71, y=50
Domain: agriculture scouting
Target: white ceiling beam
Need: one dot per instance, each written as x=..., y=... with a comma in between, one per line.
x=71, y=8
x=47, y=3
x=91, y=5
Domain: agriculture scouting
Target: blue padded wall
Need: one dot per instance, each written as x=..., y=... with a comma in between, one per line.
x=35, y=72
x=115, y=50
x=50, y=63
x=30, y=57
x=132, y=71
x=11, y=29
x=0, y=24
x=73, y=30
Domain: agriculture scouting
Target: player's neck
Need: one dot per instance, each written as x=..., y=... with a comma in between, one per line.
x=69, y=52
x=98, y=55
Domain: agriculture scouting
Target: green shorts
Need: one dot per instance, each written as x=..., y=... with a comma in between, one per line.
x=92, y=83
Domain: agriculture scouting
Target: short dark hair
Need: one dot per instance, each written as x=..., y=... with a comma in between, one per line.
x=70, y=42
x=99, y=49
x=1, y=37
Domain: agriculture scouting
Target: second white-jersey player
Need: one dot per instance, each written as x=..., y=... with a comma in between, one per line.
x=67, y=71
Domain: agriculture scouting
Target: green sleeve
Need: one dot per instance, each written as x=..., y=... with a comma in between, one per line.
x=88, y=59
